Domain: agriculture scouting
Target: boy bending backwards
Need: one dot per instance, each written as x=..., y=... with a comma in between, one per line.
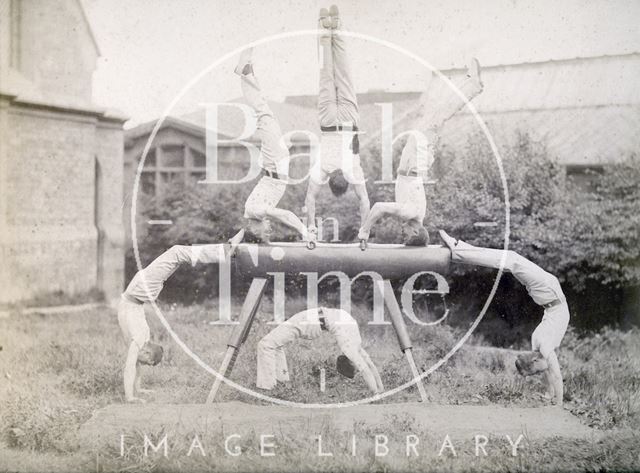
x=339, y=162
x=417, y=157
x=145, y=287
x=544, y=288
x=309, y=324
x=261, y=205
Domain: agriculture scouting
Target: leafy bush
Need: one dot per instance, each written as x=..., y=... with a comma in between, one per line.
x=200, y=214
x=578, y=234
x=588, y=237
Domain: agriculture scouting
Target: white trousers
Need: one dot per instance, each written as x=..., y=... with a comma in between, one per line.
x=436, y=108
x=265, y=196
x=274, y=154
x=410, y=195
x=542, y=287
x=272, y=361
x=337, y=102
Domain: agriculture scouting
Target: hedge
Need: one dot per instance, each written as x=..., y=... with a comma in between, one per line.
x=589, y=236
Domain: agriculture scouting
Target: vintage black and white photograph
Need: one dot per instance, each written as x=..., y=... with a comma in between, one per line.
x=296, y=236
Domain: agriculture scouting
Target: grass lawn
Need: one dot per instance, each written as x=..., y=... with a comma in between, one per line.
x=55, y=370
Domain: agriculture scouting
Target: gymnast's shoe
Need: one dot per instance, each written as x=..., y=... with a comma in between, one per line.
x=473, y=73
x=245, y=67
x=448, y=240
x=334, y=13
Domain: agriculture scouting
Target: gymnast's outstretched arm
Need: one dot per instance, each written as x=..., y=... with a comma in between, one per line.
x=130, y=373
x=554, y=378
x=310, y=203
x=363, y=198
x=379, y=210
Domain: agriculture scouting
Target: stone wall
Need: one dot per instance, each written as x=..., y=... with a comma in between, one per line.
x=62, y=193
x=60, y=159
x=109, y=143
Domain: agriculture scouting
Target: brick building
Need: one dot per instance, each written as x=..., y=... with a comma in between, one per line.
x=179, y=148
x=60, y=158
x=178, y=151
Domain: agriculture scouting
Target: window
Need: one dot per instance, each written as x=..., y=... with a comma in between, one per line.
x=199, y=160
x=194, y=177
x=171, y=165
x=150, y=160
x=169, y=177
x=148, y=183
x=173, y=156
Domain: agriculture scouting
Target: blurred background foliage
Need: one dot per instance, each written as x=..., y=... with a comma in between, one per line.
x=586, y=231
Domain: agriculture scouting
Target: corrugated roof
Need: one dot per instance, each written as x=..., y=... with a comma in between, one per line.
x=603, y=80
x=291, y=117
x=583, y=136
x=587, y=110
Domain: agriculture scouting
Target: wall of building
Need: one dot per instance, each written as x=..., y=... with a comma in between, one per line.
x=56, y=48
x=5, y=275
x=60, y=159
x=62, y=219
x=50, y=235
x=108, y=210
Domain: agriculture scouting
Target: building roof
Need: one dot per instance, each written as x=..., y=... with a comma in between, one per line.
x=558, y=83
x=586, y=110
x=569, y=83
x=28, y=92
x=231, y=125
x=290, y=116
x=145, y=129
x=575, y=136
x=89, y=27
